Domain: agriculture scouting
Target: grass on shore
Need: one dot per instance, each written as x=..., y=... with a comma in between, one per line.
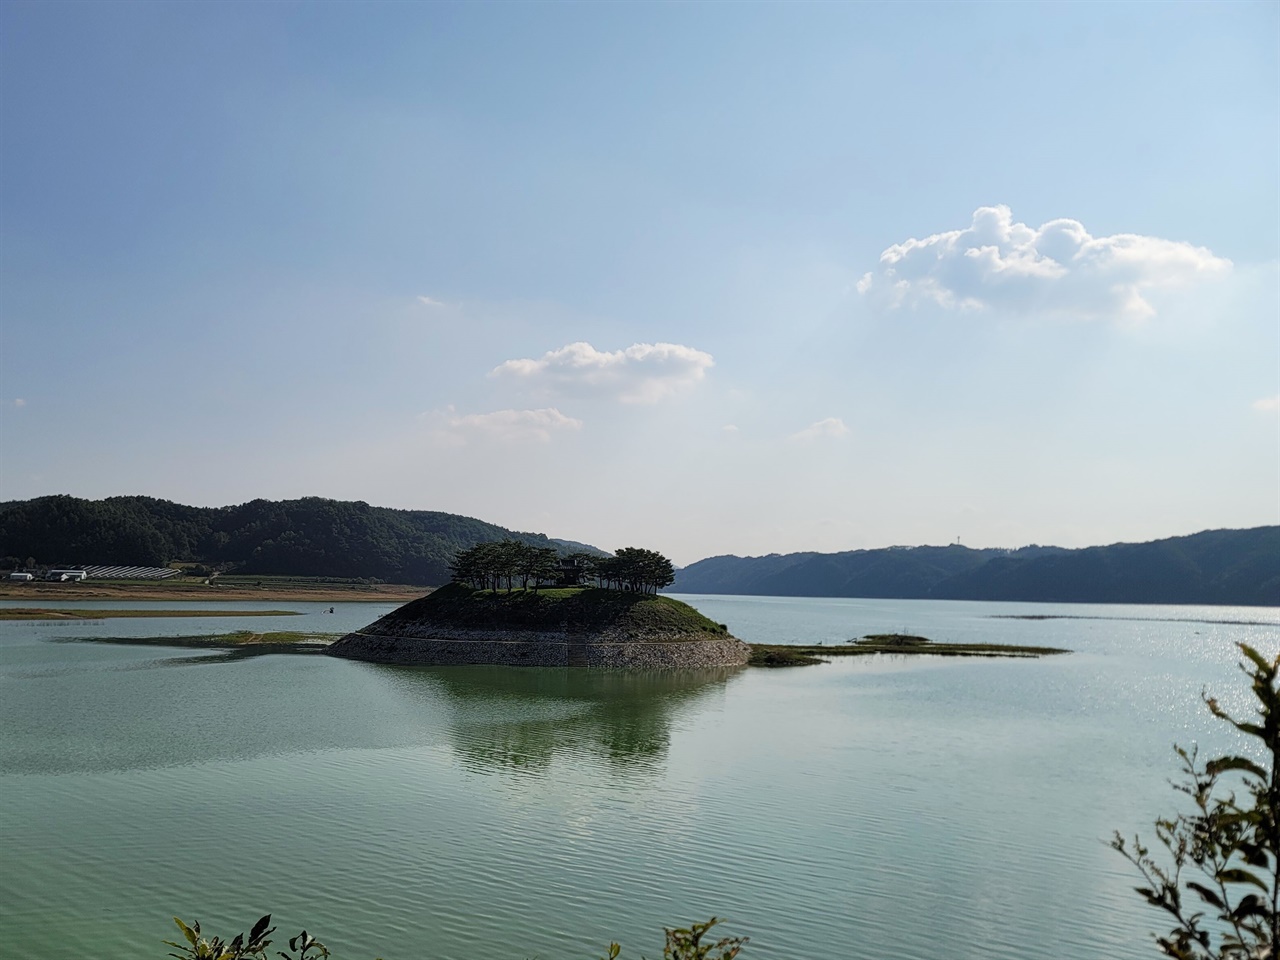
x=41, y=613
x=243, y=637
x=788, y=655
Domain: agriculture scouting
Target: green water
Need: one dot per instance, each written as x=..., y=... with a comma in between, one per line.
x=875, y=809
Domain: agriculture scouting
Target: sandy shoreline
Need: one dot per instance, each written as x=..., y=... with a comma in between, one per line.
x=83, y=613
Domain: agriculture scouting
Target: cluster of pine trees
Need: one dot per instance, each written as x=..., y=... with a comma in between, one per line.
x=492, y=566
x=495, y=566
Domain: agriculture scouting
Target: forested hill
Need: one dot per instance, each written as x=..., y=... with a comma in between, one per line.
x=1217, y=567
x=308, y=537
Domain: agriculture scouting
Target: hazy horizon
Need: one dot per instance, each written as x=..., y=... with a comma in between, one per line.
x=714, y=279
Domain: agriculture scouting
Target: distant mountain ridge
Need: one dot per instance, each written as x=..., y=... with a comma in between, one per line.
x=1223, y=567
x=307, y=537
x=576, y=546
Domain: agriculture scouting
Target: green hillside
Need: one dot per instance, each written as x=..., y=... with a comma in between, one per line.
x=1213, y=567
x=311, y=537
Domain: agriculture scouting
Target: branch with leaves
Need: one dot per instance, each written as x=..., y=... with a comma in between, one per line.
x=302, y=947
x=1224, y=856
x=683, y=943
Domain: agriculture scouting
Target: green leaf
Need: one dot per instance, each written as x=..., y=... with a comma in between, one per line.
x=186, y=931
x=1241, y=876
x=1206, y=894
x=259, y=928
x=1249, y=906
x=1223, y=764
x=1264, y=665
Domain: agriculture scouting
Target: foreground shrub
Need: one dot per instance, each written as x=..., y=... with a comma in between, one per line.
x=683, y=943
x=1224, y=857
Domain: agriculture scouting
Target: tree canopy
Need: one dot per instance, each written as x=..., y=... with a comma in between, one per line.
x=636, y=569
x=494, y=566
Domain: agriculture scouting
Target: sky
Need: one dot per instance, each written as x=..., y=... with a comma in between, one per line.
x=705, y=278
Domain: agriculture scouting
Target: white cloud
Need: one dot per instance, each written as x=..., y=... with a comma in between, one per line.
x=730, y=428
x=642, y=373
x=19, y=402
x=1268, y=404
x=428, y=302
x=830, y=427
x=1056, y=268
x=534, y=425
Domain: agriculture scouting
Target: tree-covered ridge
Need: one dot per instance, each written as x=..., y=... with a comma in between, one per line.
x=1216, y=566
x=308, y=537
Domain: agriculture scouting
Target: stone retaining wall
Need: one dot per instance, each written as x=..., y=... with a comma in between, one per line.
x=542, y=649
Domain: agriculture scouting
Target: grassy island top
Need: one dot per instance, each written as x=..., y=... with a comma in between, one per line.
x=578, y=609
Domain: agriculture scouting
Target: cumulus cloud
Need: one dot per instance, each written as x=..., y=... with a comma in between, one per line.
x=1267, y=404
x=1056, y=268
x=642, y=373
x=428, y=302
x=830, y=427
x=534, y=425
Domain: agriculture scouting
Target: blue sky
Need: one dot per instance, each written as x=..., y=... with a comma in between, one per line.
x=708, y=278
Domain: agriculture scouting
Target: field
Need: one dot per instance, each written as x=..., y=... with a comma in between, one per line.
x=41, y=613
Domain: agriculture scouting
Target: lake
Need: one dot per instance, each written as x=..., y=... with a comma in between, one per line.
x=864, y=809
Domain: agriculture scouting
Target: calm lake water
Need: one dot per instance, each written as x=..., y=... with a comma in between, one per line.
x=873, y=809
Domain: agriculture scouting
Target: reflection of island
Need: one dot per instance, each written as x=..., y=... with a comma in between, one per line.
x=521, y=719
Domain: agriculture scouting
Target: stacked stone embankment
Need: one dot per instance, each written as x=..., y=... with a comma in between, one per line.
x=537, y=649
x=582, y=628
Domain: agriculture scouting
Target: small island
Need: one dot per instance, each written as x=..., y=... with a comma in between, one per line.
x=900, y=644
x=513, y=604
x=510, y=603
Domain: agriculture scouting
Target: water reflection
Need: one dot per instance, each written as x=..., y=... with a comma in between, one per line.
x=521, y=719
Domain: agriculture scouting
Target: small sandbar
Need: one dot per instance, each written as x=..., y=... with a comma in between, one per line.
x=894, y=644
x=294, y=640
